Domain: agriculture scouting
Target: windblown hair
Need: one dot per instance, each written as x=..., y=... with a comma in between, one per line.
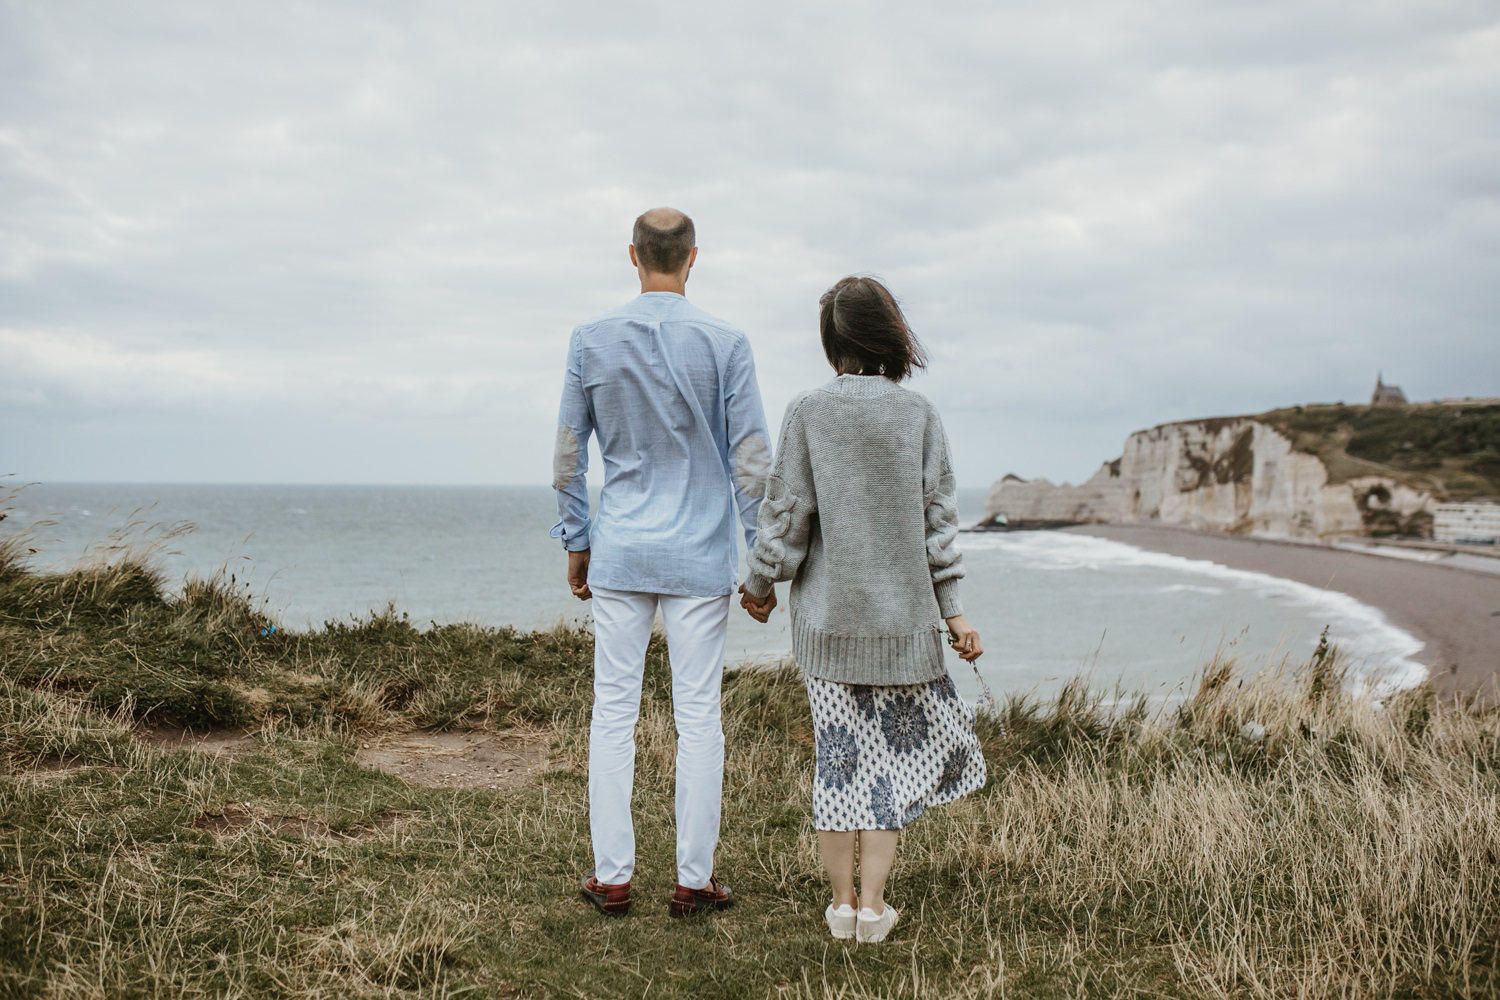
x=664, y=251
x=865, y=333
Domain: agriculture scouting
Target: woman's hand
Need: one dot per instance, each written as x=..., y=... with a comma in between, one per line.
x=760, y=609
x=964, y=638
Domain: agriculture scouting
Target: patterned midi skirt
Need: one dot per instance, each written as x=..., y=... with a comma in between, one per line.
x=887, y=752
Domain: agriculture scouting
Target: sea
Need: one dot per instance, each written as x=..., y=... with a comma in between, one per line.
x=1049, y=605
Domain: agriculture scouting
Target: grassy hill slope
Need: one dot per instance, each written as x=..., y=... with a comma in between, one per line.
x=1451, y=451
x=1339, y=850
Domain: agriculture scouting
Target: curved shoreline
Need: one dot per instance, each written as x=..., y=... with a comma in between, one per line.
x=1455, y=612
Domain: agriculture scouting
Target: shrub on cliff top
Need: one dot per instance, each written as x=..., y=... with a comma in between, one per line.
x=1453, y=449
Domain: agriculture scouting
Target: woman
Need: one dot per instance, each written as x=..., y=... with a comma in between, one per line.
x=860, y=514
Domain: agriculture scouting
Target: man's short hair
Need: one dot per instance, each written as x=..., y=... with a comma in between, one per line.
x=663, y=239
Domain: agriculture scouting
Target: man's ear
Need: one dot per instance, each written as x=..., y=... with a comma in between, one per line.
x=692, y=256
x=635, y=263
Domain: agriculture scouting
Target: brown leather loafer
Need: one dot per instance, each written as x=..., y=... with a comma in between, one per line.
x=610, y=900
x=714, y=896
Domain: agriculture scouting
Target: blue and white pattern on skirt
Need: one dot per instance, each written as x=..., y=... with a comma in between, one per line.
x=887, y=752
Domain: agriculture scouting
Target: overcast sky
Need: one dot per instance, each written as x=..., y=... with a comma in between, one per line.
x=346, y=242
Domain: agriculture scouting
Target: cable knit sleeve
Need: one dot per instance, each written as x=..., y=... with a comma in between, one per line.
x=940, y=502
x=786, y=514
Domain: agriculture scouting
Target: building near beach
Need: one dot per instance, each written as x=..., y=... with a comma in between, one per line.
x=1387, y=395
x=1474, y=522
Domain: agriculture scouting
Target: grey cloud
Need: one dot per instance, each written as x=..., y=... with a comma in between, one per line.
x=1100, y=216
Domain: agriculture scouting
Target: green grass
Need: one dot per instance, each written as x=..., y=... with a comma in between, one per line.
x=1352, y=852
x=1448, y=450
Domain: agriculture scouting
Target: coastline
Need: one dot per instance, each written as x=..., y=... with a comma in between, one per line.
x=1454, y=611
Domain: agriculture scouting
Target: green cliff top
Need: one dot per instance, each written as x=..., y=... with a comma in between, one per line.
x=1451, y=450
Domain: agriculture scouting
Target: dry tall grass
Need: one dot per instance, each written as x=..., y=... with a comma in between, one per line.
x=1351, y=851
x=1334, y=848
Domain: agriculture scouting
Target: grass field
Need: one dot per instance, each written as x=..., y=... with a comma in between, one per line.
x=1352, y=851
x=1449, y=450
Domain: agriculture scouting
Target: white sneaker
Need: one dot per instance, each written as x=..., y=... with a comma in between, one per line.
x=840, y=921
x=870, y=927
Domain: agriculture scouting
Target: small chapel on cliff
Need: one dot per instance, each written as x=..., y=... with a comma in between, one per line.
x=1387, y=395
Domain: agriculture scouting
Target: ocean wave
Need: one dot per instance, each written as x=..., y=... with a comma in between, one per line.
x=1380, y=654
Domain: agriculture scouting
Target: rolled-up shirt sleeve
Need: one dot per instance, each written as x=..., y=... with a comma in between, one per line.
x=570, y=457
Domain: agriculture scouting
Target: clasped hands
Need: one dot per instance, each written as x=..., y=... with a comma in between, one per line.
x=760, y=608
x=963, y=637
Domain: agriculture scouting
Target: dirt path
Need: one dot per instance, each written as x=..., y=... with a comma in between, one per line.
x=437, y=759
x=459, y=760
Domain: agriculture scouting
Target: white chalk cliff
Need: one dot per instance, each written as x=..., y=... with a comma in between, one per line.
x=1232, y=474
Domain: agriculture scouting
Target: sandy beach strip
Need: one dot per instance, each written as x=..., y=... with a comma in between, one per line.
x=1454, y=611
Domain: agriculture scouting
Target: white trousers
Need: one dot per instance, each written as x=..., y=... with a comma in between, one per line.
x=695, y=646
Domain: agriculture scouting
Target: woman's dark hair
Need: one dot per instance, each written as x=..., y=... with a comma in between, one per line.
x=864, y=332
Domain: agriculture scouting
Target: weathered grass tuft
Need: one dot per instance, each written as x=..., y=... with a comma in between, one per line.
x=1272, y=836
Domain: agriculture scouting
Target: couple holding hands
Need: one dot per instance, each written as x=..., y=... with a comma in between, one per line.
x=858, y=511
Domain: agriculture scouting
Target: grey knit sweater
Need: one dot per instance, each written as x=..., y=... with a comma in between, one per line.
x=861, y=515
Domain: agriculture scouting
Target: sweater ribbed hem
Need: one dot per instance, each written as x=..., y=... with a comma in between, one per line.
x=868, y=659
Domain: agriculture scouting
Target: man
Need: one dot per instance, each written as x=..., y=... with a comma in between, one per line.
x=671, y=393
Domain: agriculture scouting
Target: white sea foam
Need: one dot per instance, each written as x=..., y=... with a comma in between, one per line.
x=1380, y=654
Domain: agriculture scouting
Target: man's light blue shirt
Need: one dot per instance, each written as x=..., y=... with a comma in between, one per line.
x=671, y=393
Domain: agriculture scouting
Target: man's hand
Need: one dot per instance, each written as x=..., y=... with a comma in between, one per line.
x=964, y=638
x=578, y=574
x=760, y=609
